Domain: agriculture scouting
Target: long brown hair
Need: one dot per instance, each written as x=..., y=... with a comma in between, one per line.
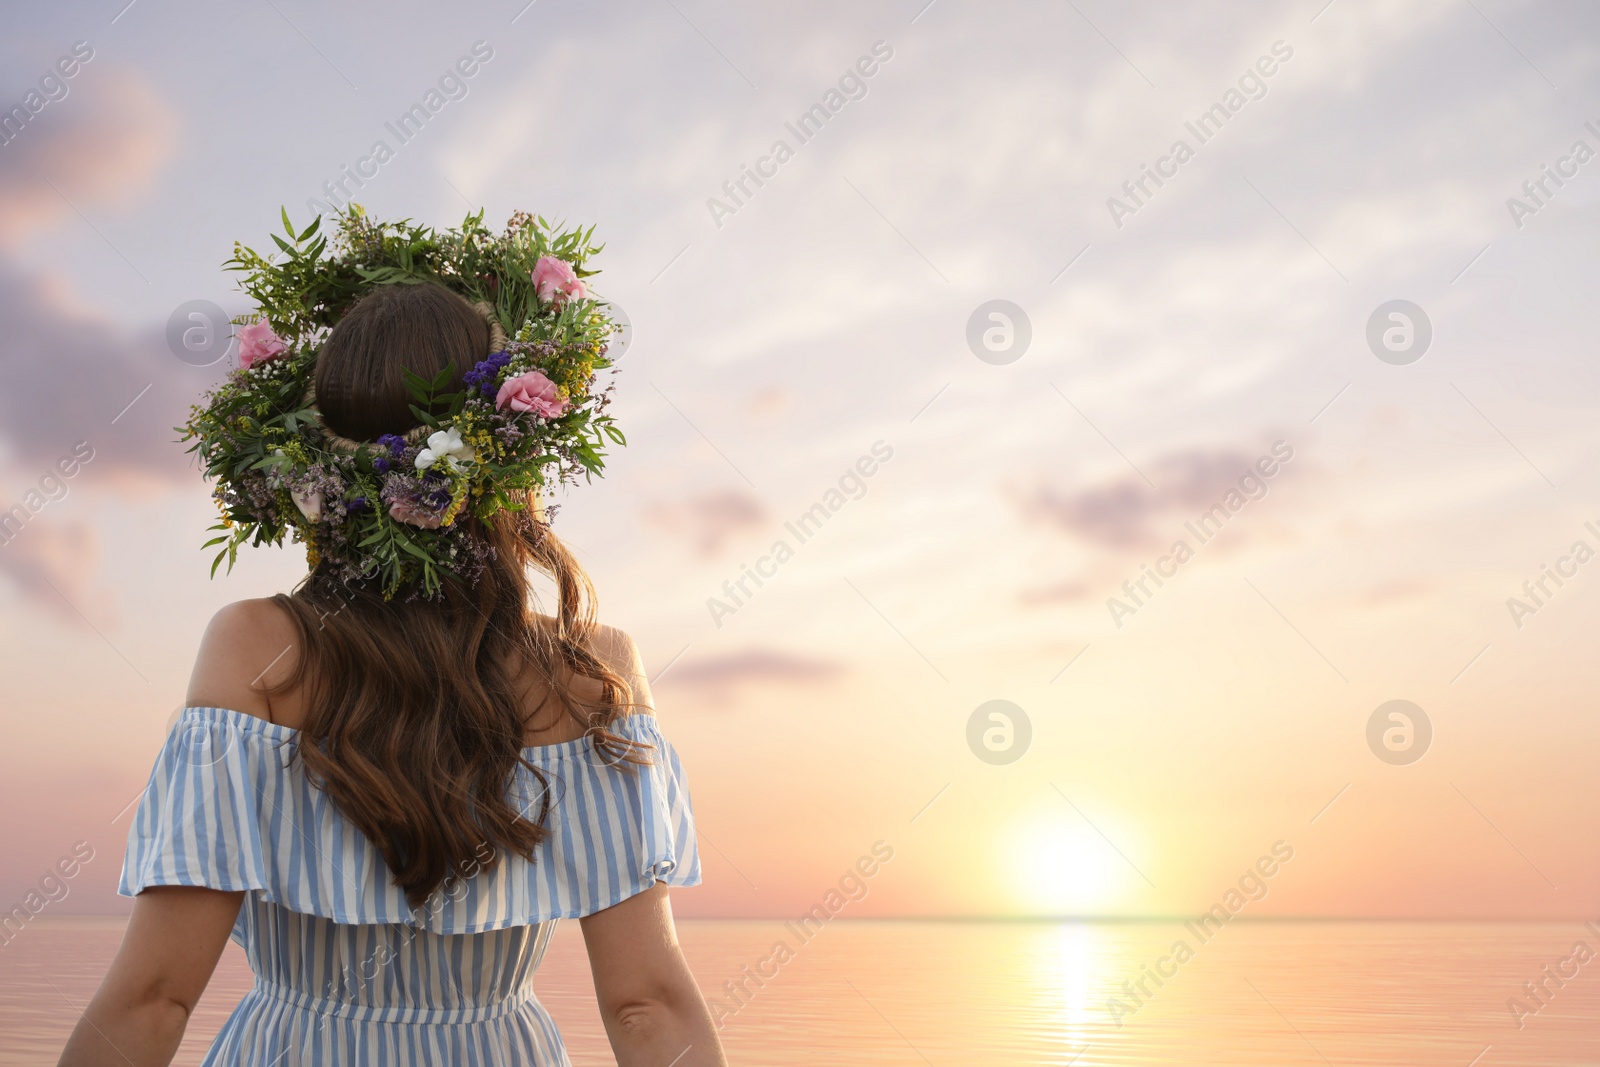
x=414, y=725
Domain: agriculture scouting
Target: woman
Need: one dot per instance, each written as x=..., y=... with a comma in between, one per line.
x=389, y=796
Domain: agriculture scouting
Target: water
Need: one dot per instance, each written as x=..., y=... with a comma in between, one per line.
x=956, y=993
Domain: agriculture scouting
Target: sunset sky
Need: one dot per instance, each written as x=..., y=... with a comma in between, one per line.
x=1177, y=338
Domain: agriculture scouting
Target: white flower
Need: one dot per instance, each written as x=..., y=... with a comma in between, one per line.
x=446, y=445
x=310, y=504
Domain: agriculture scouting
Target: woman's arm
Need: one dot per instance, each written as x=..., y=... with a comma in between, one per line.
x=653, y=1011
x=171, y=946
x=177, y=933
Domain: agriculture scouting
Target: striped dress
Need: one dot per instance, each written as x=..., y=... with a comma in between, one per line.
x=346, y=971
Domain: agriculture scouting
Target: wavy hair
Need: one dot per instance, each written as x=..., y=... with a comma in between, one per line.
x=414, y=725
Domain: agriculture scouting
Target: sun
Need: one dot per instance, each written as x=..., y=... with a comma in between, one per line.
x=1062, y=866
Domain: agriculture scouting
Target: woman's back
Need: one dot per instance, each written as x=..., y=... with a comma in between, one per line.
x=347, y=970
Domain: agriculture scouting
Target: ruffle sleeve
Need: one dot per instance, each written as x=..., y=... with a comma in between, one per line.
x=227, y=808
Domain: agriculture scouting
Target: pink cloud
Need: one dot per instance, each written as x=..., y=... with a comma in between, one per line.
x=1129, y=513
x=50, y=563
x=718, y=679
x=709, y=521
x=102, y=147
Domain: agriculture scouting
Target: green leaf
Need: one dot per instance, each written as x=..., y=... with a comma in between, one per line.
x=418, y=386
x=405, y=543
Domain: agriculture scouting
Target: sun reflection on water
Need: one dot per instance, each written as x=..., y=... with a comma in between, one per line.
x=1068, y=961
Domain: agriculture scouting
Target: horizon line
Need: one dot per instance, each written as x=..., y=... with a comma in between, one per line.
x=1108, y=920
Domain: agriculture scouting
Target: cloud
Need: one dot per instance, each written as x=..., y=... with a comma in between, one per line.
x=49, y=564
x=717, y=679
x=768, y=402
x=99, y=148
x=709, y=521
x=1066, y=592
x=1129, y=512
x=1397, y=591
x=69, y=375
x=68, y=371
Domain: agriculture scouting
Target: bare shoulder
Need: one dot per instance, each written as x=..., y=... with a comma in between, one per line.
x=617, y=649
x=248, y=646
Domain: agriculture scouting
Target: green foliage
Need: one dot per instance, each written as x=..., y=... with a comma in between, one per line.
x=302, y=293
x=265, y=448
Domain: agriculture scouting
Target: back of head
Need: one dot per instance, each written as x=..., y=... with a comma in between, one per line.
x=414, y=721
x=422, y=328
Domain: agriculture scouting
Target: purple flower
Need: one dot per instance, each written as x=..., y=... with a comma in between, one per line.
x=418, y=501
x=483, y=374
x=508, y=434
x=355, y=503
x=397, y=451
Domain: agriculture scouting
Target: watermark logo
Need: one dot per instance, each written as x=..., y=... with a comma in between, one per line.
x=999, y=732
x=52, y=888
x=851, y=888
x=452, y=85
x=1251, y=486
x=1537, y=591
x=1399, y=732
x=1138, y=191
x=1551, y=979
x=1252, y=887
x=1399, y=332
x=739, y=190
x=622, y=340
x=199, y=333
x=198, y=743
x=999, y=332
x=851, y=485
x=52, y=487
x=53, y=86
x=1538, y=192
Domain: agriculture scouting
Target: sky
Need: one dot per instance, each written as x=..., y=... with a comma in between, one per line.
x=1067, y=279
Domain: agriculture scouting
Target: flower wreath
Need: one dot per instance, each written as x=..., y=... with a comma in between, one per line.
x=391, y=509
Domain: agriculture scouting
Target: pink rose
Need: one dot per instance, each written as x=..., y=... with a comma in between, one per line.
x=556, y=282
x=415, y=514
x=531, y=392
x=257, y=344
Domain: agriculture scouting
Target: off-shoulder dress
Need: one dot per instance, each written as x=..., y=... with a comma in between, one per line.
x=346, y=971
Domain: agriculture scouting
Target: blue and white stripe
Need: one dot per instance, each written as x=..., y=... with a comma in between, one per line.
x=346, y=971
x=331, y=993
